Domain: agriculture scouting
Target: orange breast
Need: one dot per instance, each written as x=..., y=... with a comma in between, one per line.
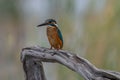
x=54, y=38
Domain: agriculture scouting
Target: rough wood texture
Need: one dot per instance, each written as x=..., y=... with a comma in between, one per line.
x=32, y=58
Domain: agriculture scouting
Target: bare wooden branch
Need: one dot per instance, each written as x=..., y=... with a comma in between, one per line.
x=32, y=58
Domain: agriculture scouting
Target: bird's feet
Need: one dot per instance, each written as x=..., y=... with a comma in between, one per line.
x=50, y=47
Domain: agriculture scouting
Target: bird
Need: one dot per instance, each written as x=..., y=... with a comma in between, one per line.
x=54, y=34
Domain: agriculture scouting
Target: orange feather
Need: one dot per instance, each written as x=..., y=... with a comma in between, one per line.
x=53, y=38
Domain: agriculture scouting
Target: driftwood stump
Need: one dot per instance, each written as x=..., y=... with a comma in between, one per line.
x=32, y=58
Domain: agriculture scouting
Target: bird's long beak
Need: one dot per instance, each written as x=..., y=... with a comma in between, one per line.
x=44, y=24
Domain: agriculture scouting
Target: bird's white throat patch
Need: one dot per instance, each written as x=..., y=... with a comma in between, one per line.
x=54, y=24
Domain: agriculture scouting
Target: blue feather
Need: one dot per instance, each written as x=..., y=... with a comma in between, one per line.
x=60, y=35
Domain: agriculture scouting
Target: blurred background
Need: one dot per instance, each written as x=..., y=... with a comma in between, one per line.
x=90, y=28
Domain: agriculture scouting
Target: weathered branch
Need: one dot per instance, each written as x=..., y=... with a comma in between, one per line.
x=32, y=58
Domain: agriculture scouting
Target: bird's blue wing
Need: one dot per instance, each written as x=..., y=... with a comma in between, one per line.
x=60, y=35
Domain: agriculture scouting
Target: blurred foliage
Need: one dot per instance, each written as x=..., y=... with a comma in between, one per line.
x=8, y=8
x=98, y=40
x=102, y=33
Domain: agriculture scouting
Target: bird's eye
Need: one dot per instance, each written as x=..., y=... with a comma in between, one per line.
x=50, y=21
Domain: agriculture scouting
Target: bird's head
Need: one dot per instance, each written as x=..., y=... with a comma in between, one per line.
x=49, y=22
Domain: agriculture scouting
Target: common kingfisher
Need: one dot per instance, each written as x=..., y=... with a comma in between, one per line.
x=53, y=33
